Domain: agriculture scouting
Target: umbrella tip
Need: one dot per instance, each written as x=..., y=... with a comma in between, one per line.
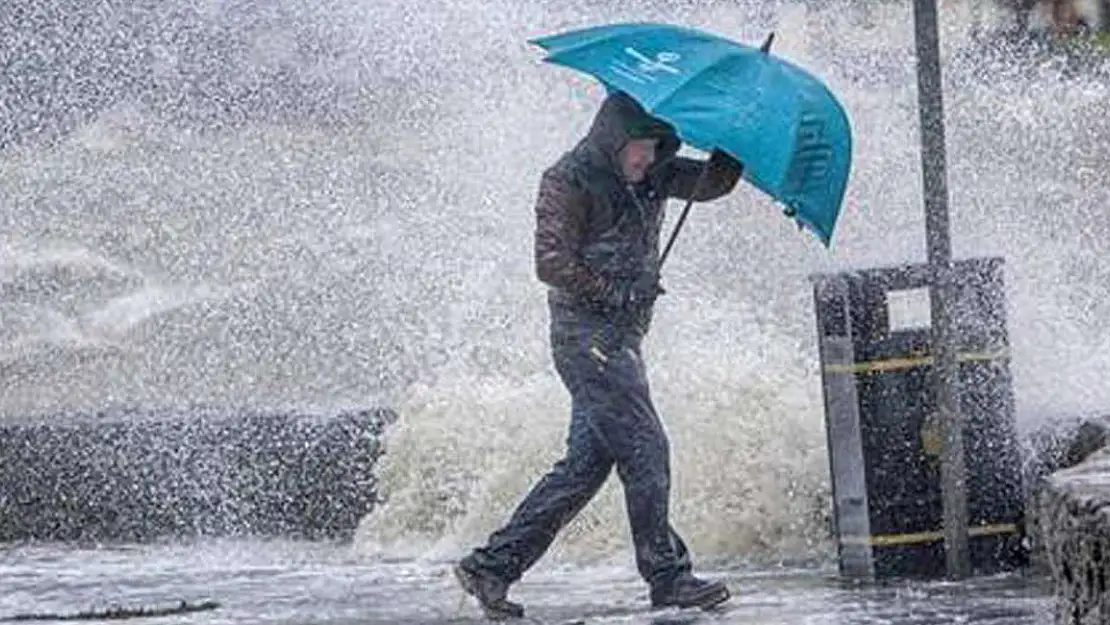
x=766, y=47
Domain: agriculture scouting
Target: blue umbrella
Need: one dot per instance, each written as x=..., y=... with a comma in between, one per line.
x=785, y=127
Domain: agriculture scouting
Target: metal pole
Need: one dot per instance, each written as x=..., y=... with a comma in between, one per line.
x=934, y=179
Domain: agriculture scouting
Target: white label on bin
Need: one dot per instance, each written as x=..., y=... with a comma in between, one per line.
x=908, y=309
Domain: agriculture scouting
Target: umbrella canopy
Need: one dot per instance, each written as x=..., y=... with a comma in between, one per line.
x=783, y=124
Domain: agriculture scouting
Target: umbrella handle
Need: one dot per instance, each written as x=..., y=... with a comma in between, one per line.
x=685, y=211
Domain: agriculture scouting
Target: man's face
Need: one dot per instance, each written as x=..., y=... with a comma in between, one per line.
x=636, y=158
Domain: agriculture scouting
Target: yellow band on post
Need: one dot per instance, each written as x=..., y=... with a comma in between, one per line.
x=888, y=540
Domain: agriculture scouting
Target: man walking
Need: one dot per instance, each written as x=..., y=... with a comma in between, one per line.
x=599, y=215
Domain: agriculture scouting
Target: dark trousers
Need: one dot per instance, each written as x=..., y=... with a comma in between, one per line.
x=613, y=422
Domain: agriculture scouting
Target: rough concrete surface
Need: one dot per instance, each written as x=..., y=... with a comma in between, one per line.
x=1073, y=507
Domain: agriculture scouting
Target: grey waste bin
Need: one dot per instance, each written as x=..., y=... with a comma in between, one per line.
x=883, y=436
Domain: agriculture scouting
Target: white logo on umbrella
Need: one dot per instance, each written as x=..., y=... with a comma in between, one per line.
x=661, y=62
x=644, y=68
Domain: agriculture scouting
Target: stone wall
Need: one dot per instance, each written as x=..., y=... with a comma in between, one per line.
x=145, y=476
x=1072, y=508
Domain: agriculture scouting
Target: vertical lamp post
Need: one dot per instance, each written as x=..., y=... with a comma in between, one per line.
x=934, y=179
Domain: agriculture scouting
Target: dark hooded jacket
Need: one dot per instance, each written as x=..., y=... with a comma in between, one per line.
x=593, y=228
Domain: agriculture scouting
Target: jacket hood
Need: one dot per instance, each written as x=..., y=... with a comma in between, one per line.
x=621, y=119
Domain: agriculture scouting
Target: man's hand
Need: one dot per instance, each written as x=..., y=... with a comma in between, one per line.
x=646, y=288
x=627, y=295
x=724, y=158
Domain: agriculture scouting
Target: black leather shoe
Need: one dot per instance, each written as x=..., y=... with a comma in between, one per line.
x=688, y=591
x=489, y=590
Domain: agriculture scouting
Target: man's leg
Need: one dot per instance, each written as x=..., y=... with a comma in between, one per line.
x=627, y=422
x=556, y=499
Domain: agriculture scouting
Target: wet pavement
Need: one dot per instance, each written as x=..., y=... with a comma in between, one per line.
x=297, y=583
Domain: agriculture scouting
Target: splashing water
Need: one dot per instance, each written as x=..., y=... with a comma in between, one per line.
x=384, y=256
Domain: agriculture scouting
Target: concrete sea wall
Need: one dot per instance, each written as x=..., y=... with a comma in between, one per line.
x=146, y=476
